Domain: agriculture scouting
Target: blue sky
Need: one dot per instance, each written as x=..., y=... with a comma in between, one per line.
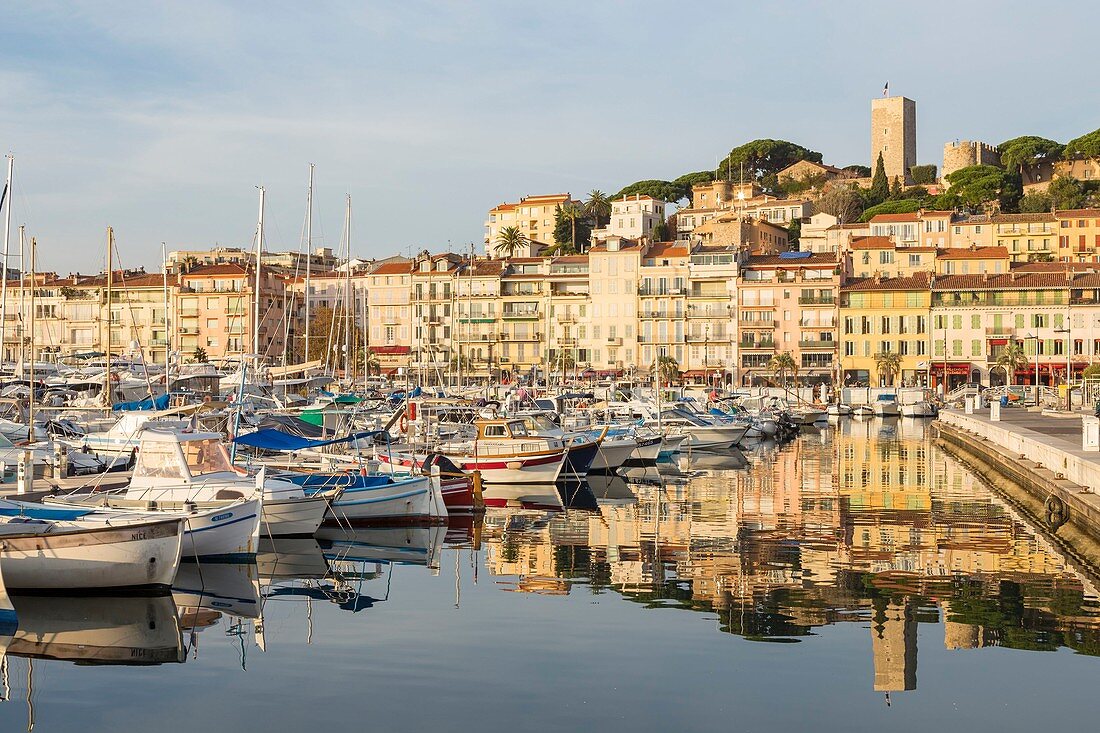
x=161, y=119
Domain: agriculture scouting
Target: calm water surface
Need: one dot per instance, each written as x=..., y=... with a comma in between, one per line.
x=853, y=580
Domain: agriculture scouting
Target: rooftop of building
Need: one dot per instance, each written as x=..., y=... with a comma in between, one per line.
x=1038, y=218
x=809, y=259
x=973, y=253
x=894, y=218
x=393, y=268
x=915, y=281
x=1017, y=279
x=668, y=249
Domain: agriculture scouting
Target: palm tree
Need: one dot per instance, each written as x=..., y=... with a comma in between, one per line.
x=888, y=365
x=1012, y=358
x=668, y=368
x=373, y=365
x=598, y=206
x=510, y=240
x=783, y=364
x=571, y=213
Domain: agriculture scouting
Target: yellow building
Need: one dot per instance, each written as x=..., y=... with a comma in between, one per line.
x=1026, y=236
x=1078, y=234
x=533, y=215
x=884, y=314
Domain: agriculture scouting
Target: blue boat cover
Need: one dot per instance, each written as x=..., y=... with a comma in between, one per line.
x=272, y=439
x=160, y=403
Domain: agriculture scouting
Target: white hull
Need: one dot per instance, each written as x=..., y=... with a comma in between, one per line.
x=712, y=437
x=611, y=454
x=919, y=409
x=530, y=469
x=413, y=500
x=141, y=554
x=293, y=517
x=647, y=450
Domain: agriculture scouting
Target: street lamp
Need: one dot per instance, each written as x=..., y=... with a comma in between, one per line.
x=1036, y=356
x=1069, y=365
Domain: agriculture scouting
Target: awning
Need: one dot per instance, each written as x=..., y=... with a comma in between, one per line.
x=997, y=342
x=272, y=439
x=390, y=349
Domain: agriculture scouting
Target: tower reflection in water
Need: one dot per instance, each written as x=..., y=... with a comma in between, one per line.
x=865, y=523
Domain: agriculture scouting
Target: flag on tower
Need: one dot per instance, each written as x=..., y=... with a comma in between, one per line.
x=886, y=90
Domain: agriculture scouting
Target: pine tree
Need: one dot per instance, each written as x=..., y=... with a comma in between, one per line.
x=895, y=189
x=880, y=186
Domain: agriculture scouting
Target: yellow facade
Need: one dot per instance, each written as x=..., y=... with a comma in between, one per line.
x=885, y=315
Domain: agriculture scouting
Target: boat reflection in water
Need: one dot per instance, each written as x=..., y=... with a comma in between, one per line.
x=866, y=522
x=205, y=592
x=97, y=630
x=284, y=558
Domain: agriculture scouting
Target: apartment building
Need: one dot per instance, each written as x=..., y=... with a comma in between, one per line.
x=1027, y=237
x=632, y=217
x=389, y=313
x=533, y=215
x=885, y=314
x=1078, y=235
x=787, y=303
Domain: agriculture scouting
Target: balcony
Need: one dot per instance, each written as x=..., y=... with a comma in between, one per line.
x=999, y=333
x=708, y=313
x=817, y=344
x=757, y=323
x=567, y=341
x=614, y=341
x=191, y=330
x=566, y=318
x=817, y=300
x=721, y=295
x=520, y=315
x=757, y=345
x=189, y=313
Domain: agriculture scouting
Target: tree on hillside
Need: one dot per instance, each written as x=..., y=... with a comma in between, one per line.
x=895, y=189
x=1086, y=146
x=1035, y=202
x=509, y=241
x=923, y=174
x=660, y=232
x=1067, y=193
x=1028, y=150
x=686, y=181
x=598, y=207
x=572, y=230
x=880, y=186
x=978, y=186
x=761, y=159
x=663, y=190
x=842, y=202
x=859, y=171
x=794, y=233
x=901, y=206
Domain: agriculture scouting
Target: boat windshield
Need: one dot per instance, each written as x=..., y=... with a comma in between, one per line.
x=517, y=429
x=158, y=460
x=539, y=422
x=206, y=456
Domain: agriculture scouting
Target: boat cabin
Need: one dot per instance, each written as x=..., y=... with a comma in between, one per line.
x=171, y=456
x=501, y=429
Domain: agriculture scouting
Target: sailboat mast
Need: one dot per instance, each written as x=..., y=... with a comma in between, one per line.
x=349, y=372
x=256, y=294
x=110, y=284
x=167, y=322
x=7, y=237
x=22, y=292
x=30, y=403
x=309, y=255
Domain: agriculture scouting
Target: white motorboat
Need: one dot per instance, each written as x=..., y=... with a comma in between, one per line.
x=916, y=402
x=174, y=465
x=700, y=433
x=375, y=497
x=43, y=554
x=838, y=409
x=886, y=405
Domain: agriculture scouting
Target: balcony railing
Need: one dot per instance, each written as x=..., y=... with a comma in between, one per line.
x=757, y=323
x=520, y=315
x=817, y=300
x=816, y=344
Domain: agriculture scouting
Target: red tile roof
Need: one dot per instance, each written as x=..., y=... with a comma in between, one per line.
x=393, y=268
x=667, y=249
x=893, y=218
x=815, y=259
x=1016, y=280
x=1022, y=218
x=973, y=253
x=875, y=242
x=916, y=281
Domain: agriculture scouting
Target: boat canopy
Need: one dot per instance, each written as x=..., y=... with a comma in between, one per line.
x=277, y=440
x=160, y=403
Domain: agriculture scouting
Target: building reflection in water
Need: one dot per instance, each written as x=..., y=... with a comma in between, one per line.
x=865, y=523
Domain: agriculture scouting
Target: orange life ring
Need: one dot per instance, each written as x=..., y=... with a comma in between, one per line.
x=404, y=424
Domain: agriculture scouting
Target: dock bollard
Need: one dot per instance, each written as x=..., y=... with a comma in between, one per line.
x=479, y=497
x=25, y=474
x=995, y=411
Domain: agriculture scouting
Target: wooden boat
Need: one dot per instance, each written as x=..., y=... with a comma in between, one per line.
x=365, y=497
x=505, y=453
x=457, y=487
x=39, y=554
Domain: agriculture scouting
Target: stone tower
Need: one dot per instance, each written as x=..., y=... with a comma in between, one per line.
x=894, y=134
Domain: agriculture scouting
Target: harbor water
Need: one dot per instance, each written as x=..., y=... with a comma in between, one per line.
x=857, y=577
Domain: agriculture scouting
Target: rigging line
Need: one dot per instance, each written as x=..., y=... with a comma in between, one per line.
x=133, y=327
